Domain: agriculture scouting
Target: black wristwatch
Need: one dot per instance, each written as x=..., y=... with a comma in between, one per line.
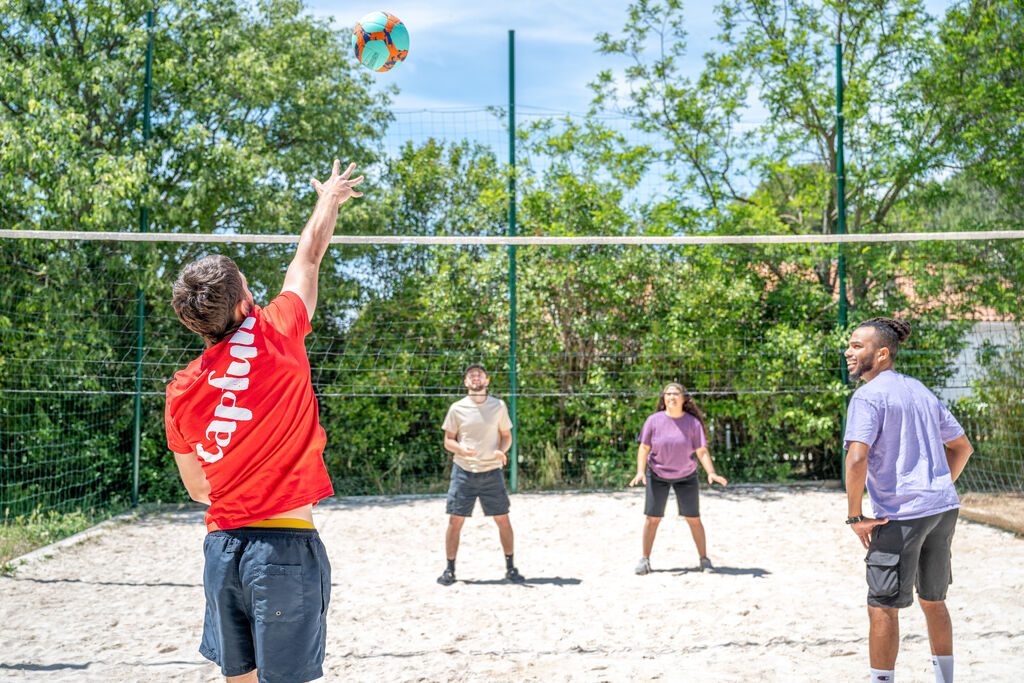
x=854, y=520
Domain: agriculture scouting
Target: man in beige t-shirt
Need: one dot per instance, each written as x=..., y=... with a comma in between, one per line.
x=478, y=432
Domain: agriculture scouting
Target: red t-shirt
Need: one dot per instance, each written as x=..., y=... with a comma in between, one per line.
x=246, y=409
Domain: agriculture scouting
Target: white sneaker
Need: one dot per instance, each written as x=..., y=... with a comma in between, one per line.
x=644, y=567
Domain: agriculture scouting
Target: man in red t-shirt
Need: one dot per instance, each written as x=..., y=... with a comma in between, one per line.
x=242, y=422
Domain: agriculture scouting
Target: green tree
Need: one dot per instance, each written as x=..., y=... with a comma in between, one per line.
x=783, y=54
x=976, y=77
x=248, y=102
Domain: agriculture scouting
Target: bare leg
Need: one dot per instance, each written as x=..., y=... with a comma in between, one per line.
x=244, y=678
x=650, y=531
x=940, y=628
x=884, y=637
x=504, y=532
x=451, y=536
x=697, y=530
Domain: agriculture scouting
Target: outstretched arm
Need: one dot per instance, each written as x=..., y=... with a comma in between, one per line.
x=304, y=271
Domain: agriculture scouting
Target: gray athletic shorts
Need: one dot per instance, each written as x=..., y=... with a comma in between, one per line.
x=687, y=495
x=466, y=487
x=267, y=592
x=906, y=553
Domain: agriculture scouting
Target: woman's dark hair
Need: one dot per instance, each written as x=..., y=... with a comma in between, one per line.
x=689, y=405
x=889, y=332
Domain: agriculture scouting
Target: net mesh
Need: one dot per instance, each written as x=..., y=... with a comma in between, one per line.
x=751, y=330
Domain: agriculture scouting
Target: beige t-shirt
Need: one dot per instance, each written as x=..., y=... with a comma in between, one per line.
x=476, y=426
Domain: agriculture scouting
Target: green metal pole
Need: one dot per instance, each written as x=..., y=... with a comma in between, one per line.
x=841, y=229
x=140, y=309
x=840, y=190
x=512, y=378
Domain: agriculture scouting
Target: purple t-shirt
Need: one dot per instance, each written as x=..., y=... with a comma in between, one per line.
x=906, y=426
x=673, y=442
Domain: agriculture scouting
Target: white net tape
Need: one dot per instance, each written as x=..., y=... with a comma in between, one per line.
x=637, y=240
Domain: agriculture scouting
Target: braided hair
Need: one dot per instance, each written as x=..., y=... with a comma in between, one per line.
x=890, y=332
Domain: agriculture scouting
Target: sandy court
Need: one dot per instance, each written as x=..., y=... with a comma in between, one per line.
x=787, y=601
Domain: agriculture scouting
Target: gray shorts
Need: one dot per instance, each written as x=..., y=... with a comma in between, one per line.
x=466, y=487
x=905, y=553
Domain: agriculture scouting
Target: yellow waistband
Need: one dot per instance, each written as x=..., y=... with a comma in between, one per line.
x=282, y=523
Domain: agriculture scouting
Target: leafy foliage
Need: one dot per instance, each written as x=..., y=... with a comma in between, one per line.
x=250, y=100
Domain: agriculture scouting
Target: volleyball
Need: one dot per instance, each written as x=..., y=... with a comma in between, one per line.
x=381, y=41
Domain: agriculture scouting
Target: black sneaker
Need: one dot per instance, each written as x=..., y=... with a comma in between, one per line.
x=448, y=578
x=705, y=565
x=514, y=575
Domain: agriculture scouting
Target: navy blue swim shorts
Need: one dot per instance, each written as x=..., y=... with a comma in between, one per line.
x=267, y=592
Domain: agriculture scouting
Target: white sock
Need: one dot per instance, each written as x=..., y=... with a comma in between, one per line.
x=883, y=676
x=943, y=668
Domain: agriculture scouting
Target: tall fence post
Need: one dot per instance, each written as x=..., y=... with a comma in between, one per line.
x=841, y=229
x=512, y=377
x=840, y=193
x=140, y=309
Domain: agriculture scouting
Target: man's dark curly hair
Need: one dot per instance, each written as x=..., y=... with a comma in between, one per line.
x=890, y=332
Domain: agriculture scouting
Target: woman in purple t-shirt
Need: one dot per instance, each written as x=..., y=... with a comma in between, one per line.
x=670, y=443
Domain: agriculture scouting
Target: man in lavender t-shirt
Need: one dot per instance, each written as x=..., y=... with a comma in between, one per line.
x=909, y=449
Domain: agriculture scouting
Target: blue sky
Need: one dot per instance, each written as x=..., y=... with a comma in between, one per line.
x=459, y=48
x=458, y=55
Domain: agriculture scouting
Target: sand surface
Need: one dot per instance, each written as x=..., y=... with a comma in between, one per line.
x=787, y=601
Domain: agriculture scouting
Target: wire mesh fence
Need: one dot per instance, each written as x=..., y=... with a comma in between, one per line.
x=749, y=329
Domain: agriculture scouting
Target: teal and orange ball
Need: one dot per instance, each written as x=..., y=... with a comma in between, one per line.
x=381, y=41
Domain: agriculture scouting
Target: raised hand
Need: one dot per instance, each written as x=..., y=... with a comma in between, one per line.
x=339, y=186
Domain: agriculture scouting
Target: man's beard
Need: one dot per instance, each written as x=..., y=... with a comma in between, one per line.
x=476, y=387
x=862, y=367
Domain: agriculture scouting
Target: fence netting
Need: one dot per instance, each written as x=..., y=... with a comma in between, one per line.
x=752, y=330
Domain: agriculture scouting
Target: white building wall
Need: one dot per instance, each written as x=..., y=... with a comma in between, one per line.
x=966, y=367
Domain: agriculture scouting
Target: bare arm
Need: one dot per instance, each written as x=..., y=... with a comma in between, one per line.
x=193, y=477
x=504, y=445
x=856, y=477
x=705, y=460
x=957, y=453
x=452, y=445
x=303, y=273
x=641, y=465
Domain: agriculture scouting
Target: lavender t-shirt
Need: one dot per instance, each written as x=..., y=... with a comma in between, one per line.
x=673, y=442
x=906, y=426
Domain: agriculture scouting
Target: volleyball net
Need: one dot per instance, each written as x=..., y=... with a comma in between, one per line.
x=751, y=325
